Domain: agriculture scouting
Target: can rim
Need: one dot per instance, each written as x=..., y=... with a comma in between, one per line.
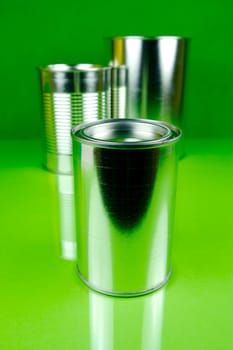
x=171, y=134
x=79, y=67
x=153, y=37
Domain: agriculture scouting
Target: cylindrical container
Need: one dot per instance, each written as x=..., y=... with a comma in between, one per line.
x=124, y=185
x=119, y=87
x=71, y=95
x=156, y=67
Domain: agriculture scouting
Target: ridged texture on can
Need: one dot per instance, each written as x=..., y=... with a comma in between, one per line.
x=119, y=102
x=119, y=98
x=64, y=110
x=71, y=96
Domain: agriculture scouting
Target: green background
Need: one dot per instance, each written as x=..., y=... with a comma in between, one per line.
x=43, y=305
x=36, y=33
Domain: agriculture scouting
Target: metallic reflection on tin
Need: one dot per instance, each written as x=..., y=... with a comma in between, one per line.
x=127, y=194
x=125, y=180
x=132, y=324
x=119, y=92
x=156, y=69
x=64, y=220
x=71, y=95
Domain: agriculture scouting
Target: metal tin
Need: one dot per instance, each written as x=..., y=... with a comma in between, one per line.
x=124, y=178
x=156, y=68
x=119, y=88
x=71, y=94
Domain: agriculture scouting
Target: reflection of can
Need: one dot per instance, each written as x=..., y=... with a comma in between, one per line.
x=156, y=67
x=71, y=95
x=62, y=191
x=66, y=216
x=125, y=176
x=143, y=317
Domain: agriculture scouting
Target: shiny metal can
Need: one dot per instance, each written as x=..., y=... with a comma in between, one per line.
x=124, y=188
x=156, y=71
x=119, y=92
x=71, y=94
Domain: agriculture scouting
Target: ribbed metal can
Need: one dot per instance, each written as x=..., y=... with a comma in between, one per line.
x=124, y=192
x=119, y=92
x=71, y=95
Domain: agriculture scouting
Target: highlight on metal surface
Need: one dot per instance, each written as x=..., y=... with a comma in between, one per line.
x=119, y=91
x=62, y=190
x=71, y=94
x=125, y=180
x=143, y=318
x=156, y=71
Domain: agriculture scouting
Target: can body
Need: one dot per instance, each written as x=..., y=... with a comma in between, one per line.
x=156, y=68
x=124, y=196
x=70, y=95
x=119, y=92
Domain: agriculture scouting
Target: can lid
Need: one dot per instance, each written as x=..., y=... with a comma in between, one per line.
x=63, y=67
x=84, y=77
x=126, y=133
x=148, y=38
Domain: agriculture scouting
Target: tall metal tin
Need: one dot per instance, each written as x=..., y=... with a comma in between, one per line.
x=124, y=179
x=71, y=95
x=156, y=69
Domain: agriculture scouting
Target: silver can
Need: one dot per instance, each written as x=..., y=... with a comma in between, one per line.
x=119, y=92
x=71, y=94
x=124, y=186
x=156, y=70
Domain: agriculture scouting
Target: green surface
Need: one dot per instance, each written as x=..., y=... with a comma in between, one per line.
x=38, y=33
x=45, y=306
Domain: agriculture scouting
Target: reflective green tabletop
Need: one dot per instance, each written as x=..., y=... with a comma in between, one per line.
x=43, y=303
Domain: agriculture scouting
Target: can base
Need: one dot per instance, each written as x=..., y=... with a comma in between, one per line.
x=125, y=293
